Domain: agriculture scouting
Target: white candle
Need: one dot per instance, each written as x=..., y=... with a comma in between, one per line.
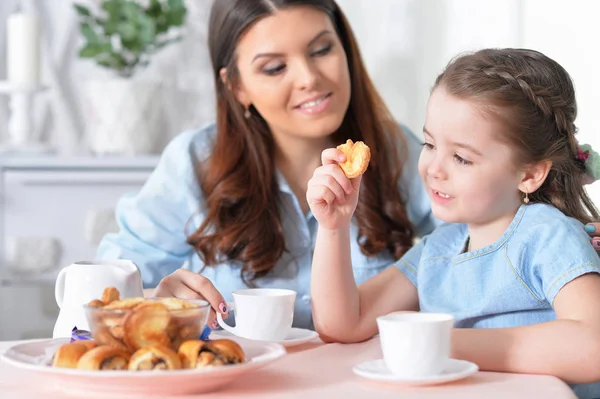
x=23, y=49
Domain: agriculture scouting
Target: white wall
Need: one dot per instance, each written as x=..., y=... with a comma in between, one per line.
x=405, y=44
x=183, y=67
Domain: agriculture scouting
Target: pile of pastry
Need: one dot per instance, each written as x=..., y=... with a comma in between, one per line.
x=134, y=323
x=88, y=355
x=143, y=334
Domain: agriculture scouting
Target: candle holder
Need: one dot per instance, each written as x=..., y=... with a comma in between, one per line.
x=20, y=124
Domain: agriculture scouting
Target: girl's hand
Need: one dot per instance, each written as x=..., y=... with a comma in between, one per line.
x=186, y=284
x=332, y=197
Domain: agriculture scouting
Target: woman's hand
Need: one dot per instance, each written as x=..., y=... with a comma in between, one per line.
x=332, y=197
x=186, y=284
x=593, y=229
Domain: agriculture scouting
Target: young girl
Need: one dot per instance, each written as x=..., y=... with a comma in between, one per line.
x=513, y=265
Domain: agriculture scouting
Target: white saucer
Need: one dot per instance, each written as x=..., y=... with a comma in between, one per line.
x=454, y=370
x=296, y=336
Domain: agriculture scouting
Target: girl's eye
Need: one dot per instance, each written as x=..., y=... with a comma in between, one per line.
x=274, y=70
x=427, y=146
x=461, y=160
x=322, y=51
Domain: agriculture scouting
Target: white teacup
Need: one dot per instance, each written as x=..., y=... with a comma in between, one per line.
x=415, y=344
x=264, y=314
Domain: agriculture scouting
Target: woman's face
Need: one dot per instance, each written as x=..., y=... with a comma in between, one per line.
x=293, y=70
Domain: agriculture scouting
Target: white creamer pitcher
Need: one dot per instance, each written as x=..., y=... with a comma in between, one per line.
x=81, y=282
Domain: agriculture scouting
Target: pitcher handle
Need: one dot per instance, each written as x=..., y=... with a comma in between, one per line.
x=222, y=323
x=59, y=287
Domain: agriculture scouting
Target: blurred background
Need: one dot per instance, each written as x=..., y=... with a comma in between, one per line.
x=73, y=138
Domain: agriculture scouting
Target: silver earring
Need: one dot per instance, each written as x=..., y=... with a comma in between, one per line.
x=526, y=199
x=247, y=114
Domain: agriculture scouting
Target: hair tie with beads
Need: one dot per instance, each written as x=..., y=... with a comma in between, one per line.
x=590, y=159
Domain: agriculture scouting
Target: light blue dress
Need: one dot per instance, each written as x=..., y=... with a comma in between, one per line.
x=153, y=225
x=512, y=282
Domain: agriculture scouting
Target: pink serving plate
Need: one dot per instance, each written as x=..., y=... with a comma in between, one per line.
x=35, y=357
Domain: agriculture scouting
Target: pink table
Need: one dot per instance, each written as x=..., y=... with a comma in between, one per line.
x=316, y=370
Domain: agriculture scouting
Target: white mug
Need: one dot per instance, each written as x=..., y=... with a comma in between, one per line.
x=79, y=283
x=264, y=314
x=415, y=344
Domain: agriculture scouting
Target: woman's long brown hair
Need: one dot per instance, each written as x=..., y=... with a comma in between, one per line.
x=242, y=222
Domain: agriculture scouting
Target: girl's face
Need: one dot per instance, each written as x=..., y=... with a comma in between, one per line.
x=469, y=174
x=293, y=70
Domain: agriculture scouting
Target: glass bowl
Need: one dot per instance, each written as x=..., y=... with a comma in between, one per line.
x=134, y=323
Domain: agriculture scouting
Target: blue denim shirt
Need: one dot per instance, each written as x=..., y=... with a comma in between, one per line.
x=512, y=282
x=153, y=225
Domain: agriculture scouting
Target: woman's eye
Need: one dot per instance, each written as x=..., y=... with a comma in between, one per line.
x=461, y=160
x=322, y=51
x=427, y=146
x=274, y=70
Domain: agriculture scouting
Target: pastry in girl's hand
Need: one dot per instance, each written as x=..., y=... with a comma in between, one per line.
x=357, y=155
x=67, y=355
x=104, y=358
x=154, y=358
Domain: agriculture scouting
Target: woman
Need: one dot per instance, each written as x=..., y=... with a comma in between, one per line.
x=229, y=201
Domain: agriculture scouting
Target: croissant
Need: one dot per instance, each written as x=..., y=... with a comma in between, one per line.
x=357, y=155
x=104, y=337
x=199, y=354
x=146, y=325
x=227, y=349
x=154, y=358
x=104, y=358
x=190, y=351
x=67, y=355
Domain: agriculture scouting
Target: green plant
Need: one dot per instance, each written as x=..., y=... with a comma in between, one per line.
x=124, y=34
